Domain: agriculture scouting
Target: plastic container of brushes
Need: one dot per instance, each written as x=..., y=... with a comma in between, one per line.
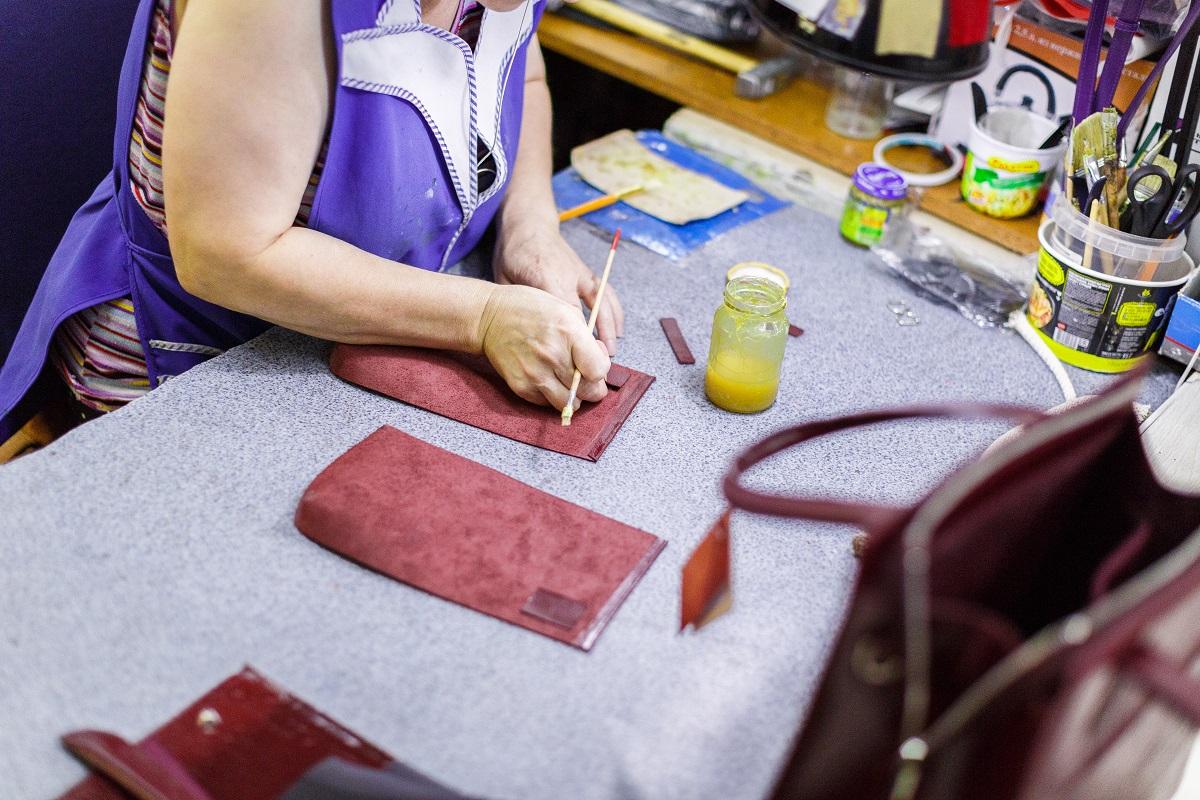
x=1100, y=296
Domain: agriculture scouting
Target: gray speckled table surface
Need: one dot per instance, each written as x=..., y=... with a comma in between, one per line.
x=149, y=554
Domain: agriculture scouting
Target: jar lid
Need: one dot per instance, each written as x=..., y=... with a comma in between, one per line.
x=880, y=181
x=758, y=269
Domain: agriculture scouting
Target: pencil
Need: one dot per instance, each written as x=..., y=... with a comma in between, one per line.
x=600, y=202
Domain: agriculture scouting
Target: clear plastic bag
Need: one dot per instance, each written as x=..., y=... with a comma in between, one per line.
x=980, y=291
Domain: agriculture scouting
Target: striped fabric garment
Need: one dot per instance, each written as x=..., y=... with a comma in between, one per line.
x=98, y=351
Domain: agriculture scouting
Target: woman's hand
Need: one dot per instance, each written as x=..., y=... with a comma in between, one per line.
x=537, y=341
x=538, y=256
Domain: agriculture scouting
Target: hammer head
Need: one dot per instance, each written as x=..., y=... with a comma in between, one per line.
x=766, y=77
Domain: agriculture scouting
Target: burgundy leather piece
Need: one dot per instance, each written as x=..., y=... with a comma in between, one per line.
x=147, y=774
x=679, y=345
x=1067, y=508
x=252, y=742
x=705, y=578
x=467, y=389
x=472, y=535
x=617, y=376
x=795, y=330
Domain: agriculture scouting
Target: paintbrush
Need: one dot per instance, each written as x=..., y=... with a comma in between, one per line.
x=605, y=201
x=569, y=408
x=1094, y=138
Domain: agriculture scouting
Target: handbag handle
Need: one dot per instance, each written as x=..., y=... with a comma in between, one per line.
x=863, y=515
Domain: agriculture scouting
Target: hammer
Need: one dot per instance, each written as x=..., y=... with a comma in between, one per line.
x=755, y=79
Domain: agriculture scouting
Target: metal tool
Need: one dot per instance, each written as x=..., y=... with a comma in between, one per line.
x=1169, y=208
x=755, y=79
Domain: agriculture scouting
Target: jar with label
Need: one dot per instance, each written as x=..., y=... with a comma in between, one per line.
x=876, y=193
x=748, y=338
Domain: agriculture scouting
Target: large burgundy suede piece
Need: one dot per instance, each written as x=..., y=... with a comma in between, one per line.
x=470, y=534
x=467, y=388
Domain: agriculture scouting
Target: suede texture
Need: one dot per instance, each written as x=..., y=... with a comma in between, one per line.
x=470, y=534
x=467, y=389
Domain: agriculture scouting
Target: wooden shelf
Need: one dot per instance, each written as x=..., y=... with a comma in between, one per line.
x=793, y=118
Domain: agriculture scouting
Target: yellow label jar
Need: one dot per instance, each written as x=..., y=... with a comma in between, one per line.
x=748, y=338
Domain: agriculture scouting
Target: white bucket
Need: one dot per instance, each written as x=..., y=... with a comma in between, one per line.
x=1004, y=180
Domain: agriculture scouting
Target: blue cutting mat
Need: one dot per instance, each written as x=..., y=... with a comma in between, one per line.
x=672, y=241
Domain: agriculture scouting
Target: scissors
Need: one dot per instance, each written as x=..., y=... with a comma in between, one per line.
x=1094, y=194
x=1167, y=210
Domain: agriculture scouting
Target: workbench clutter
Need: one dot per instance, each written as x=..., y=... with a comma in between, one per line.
x=1112, y=253
x=663, y=195
x=1012, y=116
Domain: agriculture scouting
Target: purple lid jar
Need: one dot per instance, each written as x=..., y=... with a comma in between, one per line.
x=881, y=182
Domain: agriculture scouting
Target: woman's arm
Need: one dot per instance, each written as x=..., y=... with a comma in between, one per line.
x=529, y=248
x=247, y=107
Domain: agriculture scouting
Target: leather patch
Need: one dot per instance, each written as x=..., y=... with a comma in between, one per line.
x=683, y=353
x=705, y=583
x=617, y=376
x=554, y=608
x=795, y=330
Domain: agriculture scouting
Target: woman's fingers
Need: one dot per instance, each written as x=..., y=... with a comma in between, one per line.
x=592, y=391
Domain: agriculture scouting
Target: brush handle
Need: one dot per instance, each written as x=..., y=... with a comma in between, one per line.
x=1118, y=50
x=597, y=204
x=569, y=408
x=1089, y=59
x=1185, y=30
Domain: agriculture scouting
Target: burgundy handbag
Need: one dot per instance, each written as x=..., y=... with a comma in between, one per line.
x=1029, y=630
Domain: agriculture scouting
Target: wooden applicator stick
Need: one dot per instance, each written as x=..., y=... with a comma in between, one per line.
x=569, y=408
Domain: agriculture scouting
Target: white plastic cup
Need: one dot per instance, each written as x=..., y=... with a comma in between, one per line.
x=1005, y=180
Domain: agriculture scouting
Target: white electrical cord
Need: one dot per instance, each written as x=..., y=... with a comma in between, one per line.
x=1020, y=324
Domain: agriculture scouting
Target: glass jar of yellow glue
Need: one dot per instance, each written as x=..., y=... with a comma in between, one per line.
x=876, y=192
x=749, y=334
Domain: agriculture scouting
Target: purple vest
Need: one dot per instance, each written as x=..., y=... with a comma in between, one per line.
x=412, y=107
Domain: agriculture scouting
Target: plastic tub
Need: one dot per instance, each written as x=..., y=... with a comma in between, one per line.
x=1100, y=296
x=1003, y=180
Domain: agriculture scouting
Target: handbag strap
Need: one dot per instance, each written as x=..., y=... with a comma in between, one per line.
x=862, y=514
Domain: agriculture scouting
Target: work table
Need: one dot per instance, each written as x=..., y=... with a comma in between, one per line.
x=149, y=554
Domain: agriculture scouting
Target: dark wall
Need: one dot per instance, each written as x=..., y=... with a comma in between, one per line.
x=60, y=61
x=589, y=104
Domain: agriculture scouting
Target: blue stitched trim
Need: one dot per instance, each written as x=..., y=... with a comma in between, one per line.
x=505, y=69
x=404, y=94
x=387, y=6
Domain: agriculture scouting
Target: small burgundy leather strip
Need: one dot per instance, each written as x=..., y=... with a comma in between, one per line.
x=554, y=608
x=617, y=376
x=705, y=576
x=795, y=330
x=683, y=353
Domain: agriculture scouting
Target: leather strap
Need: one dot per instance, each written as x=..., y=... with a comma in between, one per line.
x=864, y=515
x=133, y=769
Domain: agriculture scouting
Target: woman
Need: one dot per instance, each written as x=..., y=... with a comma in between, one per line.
x=321, y=162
